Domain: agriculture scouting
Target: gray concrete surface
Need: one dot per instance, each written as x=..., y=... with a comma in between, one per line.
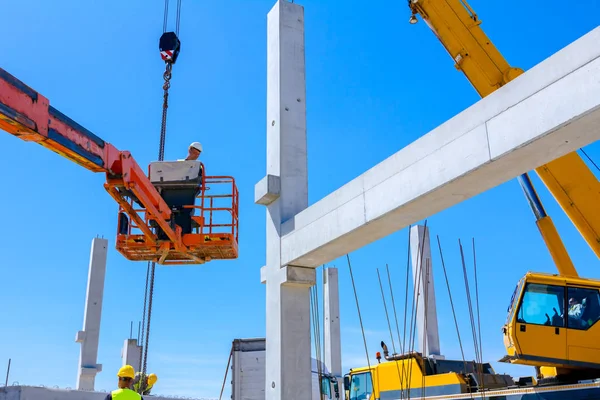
x=551, y=110
x=288, y=348
x=43, y=393
x=424, y=294
x=332, y=336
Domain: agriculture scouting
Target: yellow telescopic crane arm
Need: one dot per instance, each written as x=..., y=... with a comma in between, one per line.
x=568, y=178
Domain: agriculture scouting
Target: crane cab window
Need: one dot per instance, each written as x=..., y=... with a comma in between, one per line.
x=325, y=386
x=583, y=308
x=542, y=305
x=361, y=386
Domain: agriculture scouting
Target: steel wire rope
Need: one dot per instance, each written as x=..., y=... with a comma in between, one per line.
x=478, y=319
x=404, y=350
x=396, y=318
x=415, y=305
x=143, y=323
x=389, y=327
x=161, y=154
x=462, y=352
x=226, y=372
x=469, y=306
x=590, y=158
x=359, y=315
x=316, y=332
x=426, y=307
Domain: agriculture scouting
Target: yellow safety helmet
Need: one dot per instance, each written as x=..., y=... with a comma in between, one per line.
x=152, y=378
x=126, y=371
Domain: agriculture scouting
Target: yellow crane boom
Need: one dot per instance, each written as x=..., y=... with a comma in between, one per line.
x=568, y=178
x=564, y=346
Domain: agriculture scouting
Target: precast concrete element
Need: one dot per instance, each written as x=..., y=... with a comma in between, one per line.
x=90, y=335
x=131, y=354
x=42, y=393
x=549, y=111
x=332, y=340
x=284, y=192
x=427, y=323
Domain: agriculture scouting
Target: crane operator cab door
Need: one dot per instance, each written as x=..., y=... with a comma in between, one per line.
x=539, y=327
x=178, y=183
x=583, y=316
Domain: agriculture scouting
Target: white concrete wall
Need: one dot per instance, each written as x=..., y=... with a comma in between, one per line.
x=40, y=393
x=551, y=110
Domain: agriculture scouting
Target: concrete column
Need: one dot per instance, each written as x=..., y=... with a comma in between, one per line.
x=131, y=354
x=285, y=193
x=424, y=289
x=333, y=341
x=90, y=335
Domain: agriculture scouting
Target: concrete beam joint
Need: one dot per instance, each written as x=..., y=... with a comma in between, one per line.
x=267, y=190
x=263, y=274
x=299, y=276
x=80, y=337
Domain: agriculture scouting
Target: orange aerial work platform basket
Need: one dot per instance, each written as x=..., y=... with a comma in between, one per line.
x=203, y=216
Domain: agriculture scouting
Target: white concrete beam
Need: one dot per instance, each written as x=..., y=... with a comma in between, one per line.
x=427, y=323
x=549, y=111
x=90, y=335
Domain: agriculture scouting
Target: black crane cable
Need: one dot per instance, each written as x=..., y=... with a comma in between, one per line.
x=149, y=293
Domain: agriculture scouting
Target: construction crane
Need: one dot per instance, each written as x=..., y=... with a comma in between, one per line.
x=176, y=215
x=147, y=224
x=564, y=346
x=568, y=178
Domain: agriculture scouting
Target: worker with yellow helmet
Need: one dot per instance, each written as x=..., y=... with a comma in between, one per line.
x=126, y=375
x=150, y=381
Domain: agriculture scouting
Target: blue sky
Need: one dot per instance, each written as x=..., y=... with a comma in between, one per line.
x=373, y=82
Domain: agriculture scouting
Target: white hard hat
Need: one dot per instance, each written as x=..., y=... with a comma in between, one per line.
x=197, y=146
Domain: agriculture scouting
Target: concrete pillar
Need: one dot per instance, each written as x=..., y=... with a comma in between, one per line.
x=90, y=335
x=285, y=193
x=333, y=341
x=131, y=354
x=424, y=289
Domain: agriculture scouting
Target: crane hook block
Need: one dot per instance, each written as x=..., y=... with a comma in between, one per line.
x=169, y=46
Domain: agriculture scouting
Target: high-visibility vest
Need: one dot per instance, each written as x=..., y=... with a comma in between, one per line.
x=125, y=394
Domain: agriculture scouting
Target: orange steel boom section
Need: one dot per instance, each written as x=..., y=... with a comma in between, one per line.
x=211, y=239
x=28, y=115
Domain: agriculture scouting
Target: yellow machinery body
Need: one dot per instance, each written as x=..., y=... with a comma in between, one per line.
x=568, y=178
x=554, y=321
x=414, y=376
x=555, y=346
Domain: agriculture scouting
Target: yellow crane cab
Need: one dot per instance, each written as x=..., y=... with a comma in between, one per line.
x=553, y=321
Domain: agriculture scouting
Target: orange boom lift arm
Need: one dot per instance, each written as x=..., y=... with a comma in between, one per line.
x=28, y=115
